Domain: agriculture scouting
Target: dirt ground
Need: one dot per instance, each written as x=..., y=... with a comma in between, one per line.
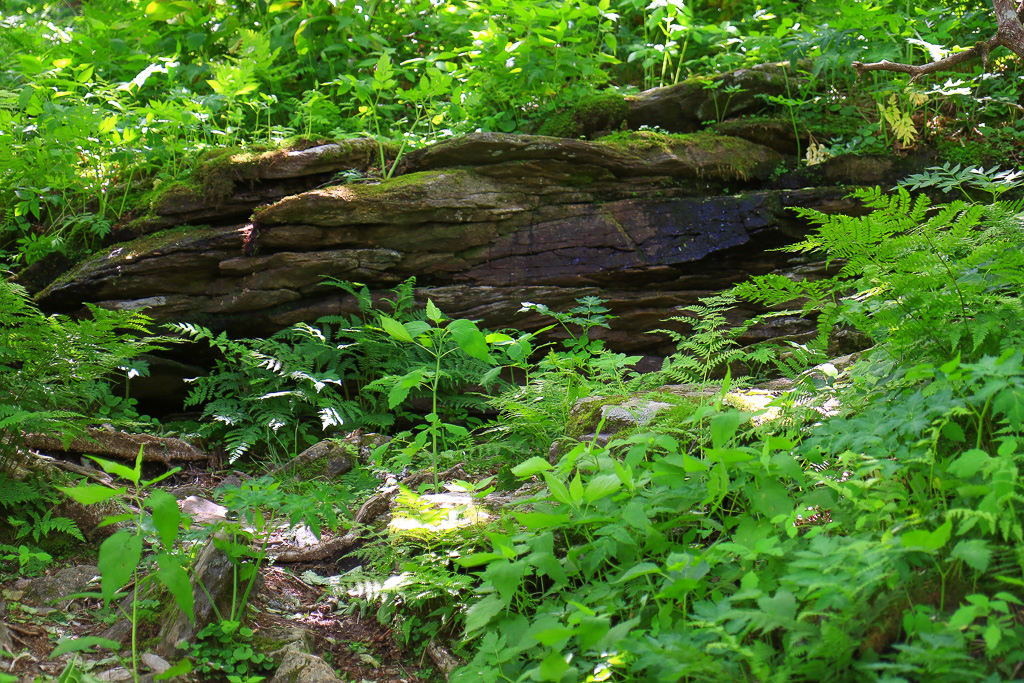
x=356, y=647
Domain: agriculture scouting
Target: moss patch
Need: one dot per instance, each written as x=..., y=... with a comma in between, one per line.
x=594, y=112
x=726, y=156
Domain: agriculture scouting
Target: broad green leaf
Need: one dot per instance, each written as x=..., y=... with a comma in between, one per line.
x=548, y=564
x=929, y=541
x=163, y=10
x=635, y=515
x=992, y=635
x=591, y=630
x=179, y=669
x=553, y=667
x=88, y=494
x=769, y=497
x=576, y=489
x=557, y=489
x=976, y=553
x=477, y=559
x=175, y=578
x=723, y=428
x=417, y=328
x=395, y=329
x=115, y=519
x=953, y=432
x=534, y=465
x=642, y=569
x=480, y=614
x=433, y=313
x=457, y=430
x=551, y=636
x=117, y=469
x=166, y=517
x=503, y=544
x=969, y=464
x=400, y=390
x=601, y=486
x=84, y=643
x=491, y=376
x=155, y=480
x=506, y=577
x=540, y=520
x=781, y=606
x=119, y=557
x=469, y=338
x=963, y=617
x=616, y=633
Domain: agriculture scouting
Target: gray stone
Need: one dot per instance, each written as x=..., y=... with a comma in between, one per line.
x=156, y=663
x=684, y=107
x=203, y=510
x=613, y=416
x=278, y=640
x=648, y=222
x=301, y=667
x=55, y=589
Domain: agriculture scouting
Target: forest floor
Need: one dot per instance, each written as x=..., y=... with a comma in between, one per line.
x=355, y=645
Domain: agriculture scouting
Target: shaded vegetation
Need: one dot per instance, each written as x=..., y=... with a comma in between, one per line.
x=865, y=526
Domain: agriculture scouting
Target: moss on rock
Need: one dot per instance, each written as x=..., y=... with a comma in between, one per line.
x=594, y=112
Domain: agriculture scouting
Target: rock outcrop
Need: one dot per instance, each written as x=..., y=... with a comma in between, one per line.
x=647, y=221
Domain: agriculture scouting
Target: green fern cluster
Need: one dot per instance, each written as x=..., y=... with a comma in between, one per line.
x=709, y=347
x=54, y=370
x=309, y=381
x=29, y=506
x=282, y=392
x=535, y=412
x=923, y=280
x=380, y=360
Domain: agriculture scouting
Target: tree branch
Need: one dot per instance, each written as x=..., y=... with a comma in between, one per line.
x=1009, y=34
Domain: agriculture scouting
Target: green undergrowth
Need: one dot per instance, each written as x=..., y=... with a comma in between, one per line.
x=865, y=527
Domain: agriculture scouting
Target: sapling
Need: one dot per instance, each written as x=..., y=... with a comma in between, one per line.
x=120, y=555
x=434, y=337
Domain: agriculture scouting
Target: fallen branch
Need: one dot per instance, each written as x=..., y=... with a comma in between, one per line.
x=320, y=551
x=1009, y=34
x=91, y=473
x=120, y=445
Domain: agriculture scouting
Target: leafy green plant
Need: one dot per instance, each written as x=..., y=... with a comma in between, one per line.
x=948, y=178
x=710, y=346
x=31, y=504
x=120, y=556
x=275, y=391
x=535, y=411
x=30, y=562
x=438, y=338
x=225, y=647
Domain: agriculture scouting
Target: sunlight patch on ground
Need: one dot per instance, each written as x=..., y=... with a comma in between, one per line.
x=436, y=512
